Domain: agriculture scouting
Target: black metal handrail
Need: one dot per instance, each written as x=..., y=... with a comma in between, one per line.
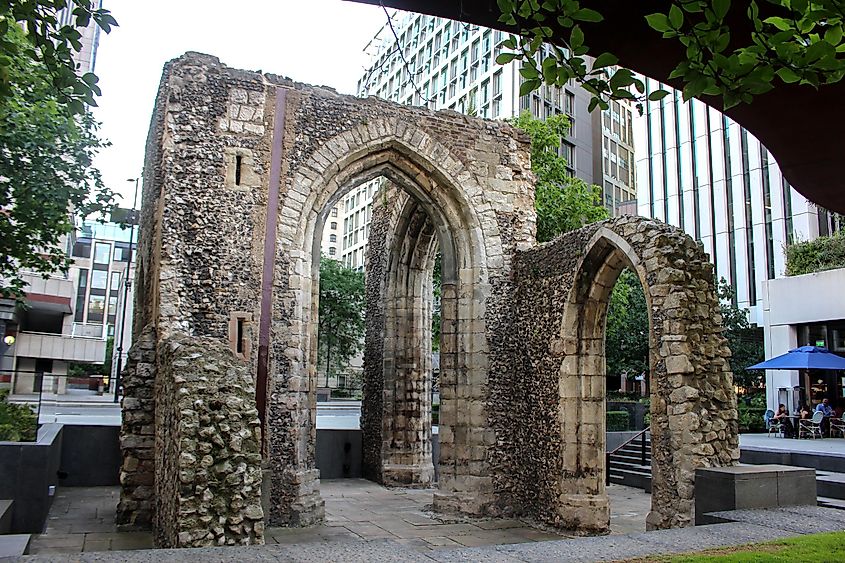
x=641, y=435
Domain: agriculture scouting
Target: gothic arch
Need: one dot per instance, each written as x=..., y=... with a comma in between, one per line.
x=465, y=221
x=693, y=408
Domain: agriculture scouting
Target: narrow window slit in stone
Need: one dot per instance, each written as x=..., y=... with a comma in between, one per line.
x=238, y=160
x=240, y=335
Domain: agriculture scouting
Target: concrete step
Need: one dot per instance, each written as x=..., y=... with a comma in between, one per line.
x=6, y=507
x=830, y=485
x=629, y=458
x=14, y=545
x=637, y=479
x=836, y=503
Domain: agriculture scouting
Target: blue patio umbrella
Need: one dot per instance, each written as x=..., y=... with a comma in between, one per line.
x=805, y=357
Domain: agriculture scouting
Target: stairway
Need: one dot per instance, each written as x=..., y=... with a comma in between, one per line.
x=626, y=467
x=11, y=545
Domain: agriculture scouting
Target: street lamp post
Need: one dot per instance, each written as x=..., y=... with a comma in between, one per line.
x=127, y=283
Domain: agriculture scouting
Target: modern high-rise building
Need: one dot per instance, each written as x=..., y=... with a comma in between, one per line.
x=699, y=170
x=443, y=64
x=86, y=58
x=68, y=318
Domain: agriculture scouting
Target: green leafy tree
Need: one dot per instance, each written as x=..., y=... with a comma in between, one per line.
x=46, y=171
x=564, y=203
x=743, y=339
x=341, y=322
x=794, y=41
x=52, y=44
x=626, y=344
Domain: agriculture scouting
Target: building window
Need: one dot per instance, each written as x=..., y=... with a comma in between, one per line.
x=102, y=252
x=113, y=305
x=118, y=254
x=82, y=249
x=333, y=225
x=332, y=251
x=332, y=238
x=99, y=278
x=96, y=308
x=115, y=281
x=79, y=313
x=334, y=211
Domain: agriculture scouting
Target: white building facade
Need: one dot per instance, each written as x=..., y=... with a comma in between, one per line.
x=443, y=64
x=69, y=318
x=699, y=170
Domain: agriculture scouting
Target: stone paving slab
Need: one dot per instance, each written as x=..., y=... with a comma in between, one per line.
x=604, y=548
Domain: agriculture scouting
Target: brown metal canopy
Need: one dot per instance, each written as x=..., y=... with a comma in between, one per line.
x=802, y=127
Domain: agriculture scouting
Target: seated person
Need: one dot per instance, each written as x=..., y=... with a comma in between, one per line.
x=824, y=407
x=805, y=412
x=782, y=416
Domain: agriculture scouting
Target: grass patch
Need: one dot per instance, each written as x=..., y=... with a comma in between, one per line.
x=819, y=548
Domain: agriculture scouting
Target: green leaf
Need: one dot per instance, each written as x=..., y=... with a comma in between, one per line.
x=658, y=22
x=587, y=15
x=780, y=23
x=787, y=75
x=576, y=38
x=720, y=8
x=505, y=58
x=834, y=35
x=657, y=95
x=605, y=59
x=676, y=17
x=528, y=86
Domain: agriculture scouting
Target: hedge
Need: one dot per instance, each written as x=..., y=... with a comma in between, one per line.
x=824, y=253
x=617, y=421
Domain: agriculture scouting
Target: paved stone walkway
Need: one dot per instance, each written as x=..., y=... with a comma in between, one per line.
x=82, y=520
x=753, y=526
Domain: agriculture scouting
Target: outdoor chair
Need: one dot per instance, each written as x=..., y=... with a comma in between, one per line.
x=772, y=426
x=837, y=425
x=811, y=427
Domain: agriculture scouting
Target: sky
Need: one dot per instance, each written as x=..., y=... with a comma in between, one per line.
x=320, y=42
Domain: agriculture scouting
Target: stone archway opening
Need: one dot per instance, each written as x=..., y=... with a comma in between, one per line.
x=688, y=376
x=587, y=394
x=424, y=213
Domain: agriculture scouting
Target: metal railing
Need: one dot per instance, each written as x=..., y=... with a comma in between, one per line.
x=642, y=436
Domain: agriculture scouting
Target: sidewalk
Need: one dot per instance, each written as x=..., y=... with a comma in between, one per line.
x=829, y=446
x=73, y=397
x=750, y=526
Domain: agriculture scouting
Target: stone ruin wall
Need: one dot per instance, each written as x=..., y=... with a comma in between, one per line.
x=549, y=411
x=208, y=467
x=505, y=440
x=199, y=267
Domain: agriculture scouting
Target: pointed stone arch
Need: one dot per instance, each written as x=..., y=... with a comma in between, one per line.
x=445, y=191
x=693, y=406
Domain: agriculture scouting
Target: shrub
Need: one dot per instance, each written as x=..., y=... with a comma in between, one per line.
x=824, y=253
x=751, y=418
x=617, y=421
x=17, y=422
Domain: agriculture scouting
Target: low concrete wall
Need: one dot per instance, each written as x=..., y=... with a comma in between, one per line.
x=720, y=489
x=29, y=476
x=812, y=460
x=90, y=456
x=339, y=454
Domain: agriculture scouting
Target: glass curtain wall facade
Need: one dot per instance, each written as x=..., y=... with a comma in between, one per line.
x=700, y=171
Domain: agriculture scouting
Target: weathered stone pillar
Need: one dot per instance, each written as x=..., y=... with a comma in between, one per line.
x=208, y=467
x=137, y=435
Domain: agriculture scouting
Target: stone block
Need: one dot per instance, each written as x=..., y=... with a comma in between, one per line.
x=751, y=486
